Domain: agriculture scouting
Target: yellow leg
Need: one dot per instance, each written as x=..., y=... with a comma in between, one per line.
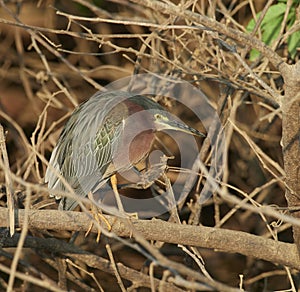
x=98, y=217
x=114, y=184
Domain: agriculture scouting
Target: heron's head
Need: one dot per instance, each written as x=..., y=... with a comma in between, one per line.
x=165, y=121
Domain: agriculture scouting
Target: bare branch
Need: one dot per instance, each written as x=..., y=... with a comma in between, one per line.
x=198, y=236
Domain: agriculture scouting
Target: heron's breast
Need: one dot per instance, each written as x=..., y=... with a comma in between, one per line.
x=132, y=151
x=141, y=146
x=136, y=137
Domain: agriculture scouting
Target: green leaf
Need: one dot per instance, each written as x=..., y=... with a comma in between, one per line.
x=274, y=12
x=272, y=19
x=271, y=30
x=271, y=25
x=252, y=22
x=254, y=54
x=294, y=43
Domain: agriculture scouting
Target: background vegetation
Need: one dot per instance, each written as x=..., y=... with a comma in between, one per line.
x=56, y=54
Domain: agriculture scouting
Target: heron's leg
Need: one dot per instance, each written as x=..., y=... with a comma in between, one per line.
x=98, y=216
x=114, y=184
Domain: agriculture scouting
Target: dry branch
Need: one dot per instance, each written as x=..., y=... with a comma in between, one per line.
x=198, y=236
x=213, y=25
x=67, y=250
x=291, y=140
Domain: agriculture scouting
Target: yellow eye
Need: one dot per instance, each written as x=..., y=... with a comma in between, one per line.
x=160, y=117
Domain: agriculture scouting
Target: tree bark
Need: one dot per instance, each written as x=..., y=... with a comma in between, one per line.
x=291, y=140
x=199, y=236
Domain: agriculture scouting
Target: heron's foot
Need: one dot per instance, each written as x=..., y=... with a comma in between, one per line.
x=139, y=185
x=98, y=217
x=133, y=215
x=148, y=177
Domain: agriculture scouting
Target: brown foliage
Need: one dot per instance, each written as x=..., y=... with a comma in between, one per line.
x=55, y=54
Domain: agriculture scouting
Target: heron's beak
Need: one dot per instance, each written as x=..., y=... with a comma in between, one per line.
x=166, y=124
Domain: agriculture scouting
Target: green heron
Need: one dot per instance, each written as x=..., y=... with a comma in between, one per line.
x=110, y=133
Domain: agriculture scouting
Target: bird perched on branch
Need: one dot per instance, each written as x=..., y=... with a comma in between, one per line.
x=110, y=133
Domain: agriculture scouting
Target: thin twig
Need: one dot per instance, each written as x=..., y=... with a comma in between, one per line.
x=8, y=183
x=112, y=260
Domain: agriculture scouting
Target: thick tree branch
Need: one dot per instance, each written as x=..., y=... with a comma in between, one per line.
x=291, y=139
x=198, y=236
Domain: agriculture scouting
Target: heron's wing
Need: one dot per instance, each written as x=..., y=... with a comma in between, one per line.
x=67, y=203
x=85, y=148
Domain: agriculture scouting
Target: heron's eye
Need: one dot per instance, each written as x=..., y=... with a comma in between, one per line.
x=160, y=117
